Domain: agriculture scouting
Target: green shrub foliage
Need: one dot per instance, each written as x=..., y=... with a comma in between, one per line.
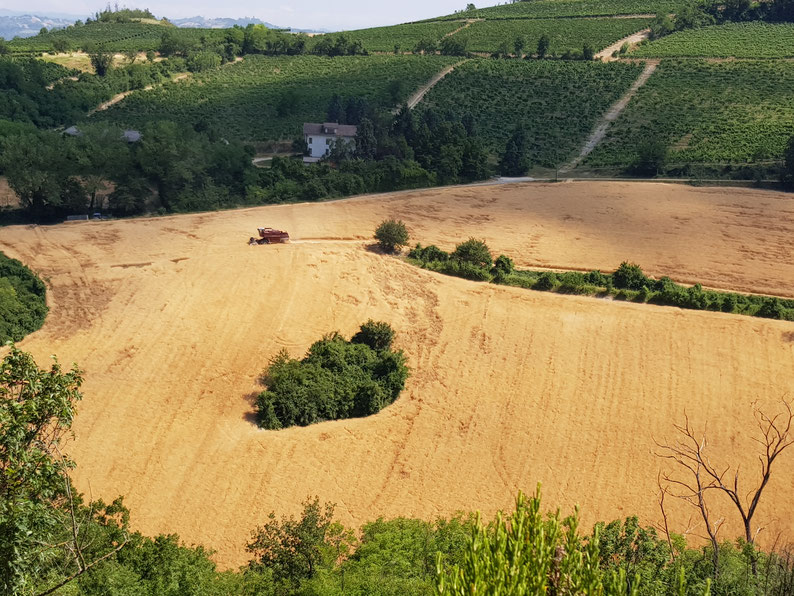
x=378, y=335
x=628, y=282
x=474, y=252
x=529, y=553
x=391, y=235
x=23, y=304
x=629, y=277
x=337, y=379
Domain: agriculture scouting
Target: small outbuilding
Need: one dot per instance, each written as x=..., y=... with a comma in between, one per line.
x=320, y=138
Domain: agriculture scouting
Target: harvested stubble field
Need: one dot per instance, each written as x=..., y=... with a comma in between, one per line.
x=174, y=318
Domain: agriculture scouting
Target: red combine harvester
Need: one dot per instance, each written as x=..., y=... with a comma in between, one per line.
x=270, y=236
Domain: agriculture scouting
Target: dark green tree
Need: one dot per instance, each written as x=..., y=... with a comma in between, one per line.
x=519, y=44
x=101, y=60
x=294, y=549
x=37, y=407
x=391, y=235
x=453, y=46
x=475, y=252
x=588, y=52
x=515, y=159
x=336, y=110
x=543, y=45
x=651, y=157
x=366, y=144
x=662, y=25
x=629, y=276
x=426, y=46
x=788, y=164
x=40, y=170
x=378, y=335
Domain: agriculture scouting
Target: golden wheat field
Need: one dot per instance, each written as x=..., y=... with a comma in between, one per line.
x=173, y=319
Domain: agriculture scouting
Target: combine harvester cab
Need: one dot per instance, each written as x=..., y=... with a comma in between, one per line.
x=270, y=236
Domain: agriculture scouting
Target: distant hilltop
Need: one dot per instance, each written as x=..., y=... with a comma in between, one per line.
x=14, y=24
x=199, y=22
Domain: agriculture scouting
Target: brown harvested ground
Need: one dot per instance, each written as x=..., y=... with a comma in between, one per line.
x=8, y=198
x=173, y=319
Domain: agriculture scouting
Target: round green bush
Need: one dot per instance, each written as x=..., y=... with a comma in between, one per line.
x=391, y=235
x=474, y=252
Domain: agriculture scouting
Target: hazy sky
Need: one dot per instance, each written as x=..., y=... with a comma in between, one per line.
x=303, y=14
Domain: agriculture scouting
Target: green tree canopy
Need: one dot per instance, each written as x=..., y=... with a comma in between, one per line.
x=37, y=407
x=391, y=235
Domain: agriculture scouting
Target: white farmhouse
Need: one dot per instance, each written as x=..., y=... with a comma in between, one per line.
x=321, y=137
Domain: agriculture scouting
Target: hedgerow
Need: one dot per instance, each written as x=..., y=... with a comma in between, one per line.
x=336, y=379
x=628, y=282
x=23, y=304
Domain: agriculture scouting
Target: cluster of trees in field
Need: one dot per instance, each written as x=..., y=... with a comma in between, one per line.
x=472, y=259
x=336, y=379
x=53, y=540
x=23, y=300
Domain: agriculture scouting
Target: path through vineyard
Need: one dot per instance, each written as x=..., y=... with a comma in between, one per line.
x=612, y=114
x=606, y=53
x=174, y=318
x=419, y=95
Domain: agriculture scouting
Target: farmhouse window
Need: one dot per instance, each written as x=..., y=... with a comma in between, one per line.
x=311, y=140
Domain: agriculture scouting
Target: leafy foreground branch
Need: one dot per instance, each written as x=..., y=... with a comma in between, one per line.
x=337, y=379
x=23, y=302
x=472, y=260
